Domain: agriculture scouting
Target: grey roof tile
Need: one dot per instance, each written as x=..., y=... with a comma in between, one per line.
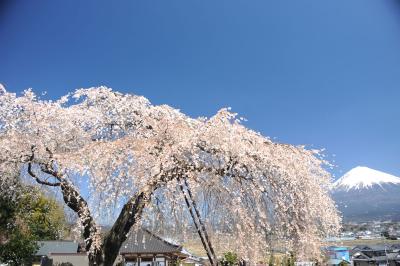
x=143, y=241
x=47, y=247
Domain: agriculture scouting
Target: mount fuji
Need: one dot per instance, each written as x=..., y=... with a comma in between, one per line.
x=365, y=194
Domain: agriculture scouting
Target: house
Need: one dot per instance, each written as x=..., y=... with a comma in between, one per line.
x=57, y=252
x=143, y=248
x=375, y=255
x=338, y=255
x=193, y=260
x=304, y=263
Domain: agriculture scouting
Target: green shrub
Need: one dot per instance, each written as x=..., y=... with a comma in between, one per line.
x=229, y=259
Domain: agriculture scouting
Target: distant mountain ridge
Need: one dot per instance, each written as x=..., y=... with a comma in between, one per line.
x=364, y=194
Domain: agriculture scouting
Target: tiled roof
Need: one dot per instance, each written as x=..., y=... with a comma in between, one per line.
x=336, y=261
x=143, y=241
x=47, y=247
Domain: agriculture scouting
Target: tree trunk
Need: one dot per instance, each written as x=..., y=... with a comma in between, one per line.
x=97, y=259
x=102, y=252
x=130, y=214
x=91, y=233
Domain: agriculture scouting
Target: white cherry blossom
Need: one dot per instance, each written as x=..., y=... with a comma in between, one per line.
x=213, y=174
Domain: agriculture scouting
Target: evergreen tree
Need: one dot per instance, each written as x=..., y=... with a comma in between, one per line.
x=271, y=260
x=19, y=248
x=24, y=219
x=230, y=259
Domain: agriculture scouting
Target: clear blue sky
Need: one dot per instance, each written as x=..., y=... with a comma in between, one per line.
x=320, y=73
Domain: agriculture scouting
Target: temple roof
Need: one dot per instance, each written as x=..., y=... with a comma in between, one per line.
x=143, y=241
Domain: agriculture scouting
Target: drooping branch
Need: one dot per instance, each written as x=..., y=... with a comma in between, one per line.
x=33, y=175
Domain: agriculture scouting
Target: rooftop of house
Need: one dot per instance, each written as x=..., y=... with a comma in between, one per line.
x=376, y=253
x=56, y=246
x=389, y=256
x=375, y=247
x=337, y=261
x=335, y=248
x=143, y=241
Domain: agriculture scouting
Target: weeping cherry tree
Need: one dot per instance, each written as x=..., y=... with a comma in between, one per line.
x=214, y=174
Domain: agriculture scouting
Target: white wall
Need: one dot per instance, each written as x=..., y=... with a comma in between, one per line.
x=75, y=259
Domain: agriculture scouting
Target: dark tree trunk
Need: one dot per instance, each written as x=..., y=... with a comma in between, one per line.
x=76, y=203
x=107, y=252
x=130, y=214
x=101, y=252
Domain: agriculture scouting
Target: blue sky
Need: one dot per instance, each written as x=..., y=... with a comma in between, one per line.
x=321, y=73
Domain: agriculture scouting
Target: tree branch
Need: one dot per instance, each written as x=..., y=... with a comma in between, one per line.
x=72, y=199
x=38, y=180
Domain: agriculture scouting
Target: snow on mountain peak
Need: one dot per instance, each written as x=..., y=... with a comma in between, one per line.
x=364, y=177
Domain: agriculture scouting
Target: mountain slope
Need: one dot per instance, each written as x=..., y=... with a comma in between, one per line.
x=362, y=177
x=364, y=194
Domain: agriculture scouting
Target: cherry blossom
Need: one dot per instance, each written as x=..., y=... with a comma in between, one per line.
x=237, y=188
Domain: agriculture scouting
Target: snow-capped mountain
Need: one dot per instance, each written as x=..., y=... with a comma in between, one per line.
x=362, y=177
x=367, y=194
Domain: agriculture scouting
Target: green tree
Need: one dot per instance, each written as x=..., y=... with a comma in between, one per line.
x=43, y=215
x=7, y=212
x=291, y=259
x=17, y=245
x=271, y=260
x=229, y=259
x=24, y=219
x=18, y=249
x=385, y=234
